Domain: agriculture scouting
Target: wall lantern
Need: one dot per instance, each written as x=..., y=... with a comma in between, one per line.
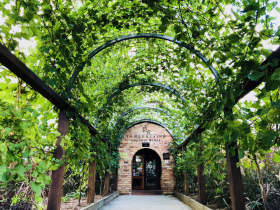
x=166, y=156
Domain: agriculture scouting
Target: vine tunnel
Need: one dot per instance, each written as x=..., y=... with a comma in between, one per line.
x=164, y=102
x=63, y=118
x=126, y=87
x=15, y=69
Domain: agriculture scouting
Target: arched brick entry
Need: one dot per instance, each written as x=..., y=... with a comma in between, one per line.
x=146, y=170
x=140, y=136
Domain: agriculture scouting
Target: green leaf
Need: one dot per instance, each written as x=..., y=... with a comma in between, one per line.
x=276, y=158
x=255, y=75
x=3, y=174
x=276, y=104
x=276, y=74
x=36, y=187
x=272, y=84
x=246, y=164
x=20, y=170
x=3, y=150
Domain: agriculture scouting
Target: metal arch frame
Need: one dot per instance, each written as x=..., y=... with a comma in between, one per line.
x=154, y=84
x=148, y=36
x=139, y=108
x=124, y=129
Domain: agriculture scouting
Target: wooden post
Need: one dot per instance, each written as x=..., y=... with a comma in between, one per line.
x=202, y=197
x=234, y=173
x=91, y=181
x=235, y=178
x=55, y=192
x=106, y=184
x=115, y=178
x=186, y=184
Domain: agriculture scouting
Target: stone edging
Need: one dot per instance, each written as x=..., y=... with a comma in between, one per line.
x=102, y=202
x=191, y=202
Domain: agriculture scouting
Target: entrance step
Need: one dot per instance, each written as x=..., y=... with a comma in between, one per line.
x=146, y=192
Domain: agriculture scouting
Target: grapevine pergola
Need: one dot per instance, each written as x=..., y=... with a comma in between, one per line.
x=178, y=68
x=16, y=66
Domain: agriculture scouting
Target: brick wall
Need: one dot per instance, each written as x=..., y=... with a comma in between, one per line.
x=158, y=139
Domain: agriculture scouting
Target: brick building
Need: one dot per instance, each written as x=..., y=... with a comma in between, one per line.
x=145, y=162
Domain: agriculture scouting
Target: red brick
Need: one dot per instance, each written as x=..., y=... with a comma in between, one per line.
x=129, y=147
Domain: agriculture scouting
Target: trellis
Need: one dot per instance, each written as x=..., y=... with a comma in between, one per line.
x=141, y=108
x=17, y=67
x=126, y=87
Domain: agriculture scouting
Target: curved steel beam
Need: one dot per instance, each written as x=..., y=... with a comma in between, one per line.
x=154, y=84
x=139, y=108
x=148, y=36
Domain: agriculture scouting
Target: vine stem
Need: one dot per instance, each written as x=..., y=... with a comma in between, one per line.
x=18, y=93
x=81, y=180
x=261, y=182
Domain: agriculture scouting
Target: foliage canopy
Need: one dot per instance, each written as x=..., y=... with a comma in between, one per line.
x=231, y=34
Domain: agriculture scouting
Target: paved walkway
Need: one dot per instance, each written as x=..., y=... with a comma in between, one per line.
x=145, y=202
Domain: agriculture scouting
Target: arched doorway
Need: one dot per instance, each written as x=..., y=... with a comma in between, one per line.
x=146, y=170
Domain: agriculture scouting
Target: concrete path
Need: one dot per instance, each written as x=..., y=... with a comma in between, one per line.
x=145, y=202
